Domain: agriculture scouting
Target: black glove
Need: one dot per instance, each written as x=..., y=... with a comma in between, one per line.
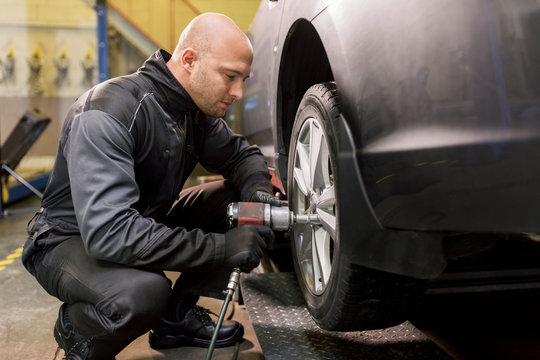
x=264, y=197
x=245, y=245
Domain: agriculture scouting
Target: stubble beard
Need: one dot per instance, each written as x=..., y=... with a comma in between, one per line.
x=202, y=90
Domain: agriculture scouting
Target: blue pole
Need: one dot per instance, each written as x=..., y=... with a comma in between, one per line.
x=103, y=65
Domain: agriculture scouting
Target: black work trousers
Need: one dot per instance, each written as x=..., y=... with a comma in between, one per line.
x=115, y=304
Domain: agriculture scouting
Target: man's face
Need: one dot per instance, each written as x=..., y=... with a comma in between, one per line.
x=217, y=78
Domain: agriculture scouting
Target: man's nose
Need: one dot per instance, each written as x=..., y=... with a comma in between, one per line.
x=236, y=90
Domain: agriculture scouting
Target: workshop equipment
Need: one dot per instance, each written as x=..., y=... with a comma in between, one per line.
x=244, y=213
x=29, y=128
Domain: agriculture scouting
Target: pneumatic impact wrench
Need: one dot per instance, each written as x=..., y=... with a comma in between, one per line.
x=243, y=213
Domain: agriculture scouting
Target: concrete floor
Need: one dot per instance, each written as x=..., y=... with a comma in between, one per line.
x=28, y=313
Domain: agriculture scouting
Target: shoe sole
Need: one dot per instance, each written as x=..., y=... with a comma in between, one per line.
x=170, y=342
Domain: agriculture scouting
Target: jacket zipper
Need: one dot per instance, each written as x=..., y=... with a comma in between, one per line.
x=181, y=137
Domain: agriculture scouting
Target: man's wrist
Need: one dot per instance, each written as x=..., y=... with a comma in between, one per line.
x=259, y=181
x=265, y=197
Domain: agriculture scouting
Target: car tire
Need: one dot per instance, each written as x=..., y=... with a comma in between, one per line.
x=340, y=295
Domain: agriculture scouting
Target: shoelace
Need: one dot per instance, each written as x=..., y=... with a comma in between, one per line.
x=202, y=314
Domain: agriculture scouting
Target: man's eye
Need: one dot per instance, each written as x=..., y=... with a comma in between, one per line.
x=230, y=77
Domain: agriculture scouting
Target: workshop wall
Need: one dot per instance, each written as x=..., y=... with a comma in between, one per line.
x=48, y=50
x=163, y=20
x=47, y=59
x=47, y=42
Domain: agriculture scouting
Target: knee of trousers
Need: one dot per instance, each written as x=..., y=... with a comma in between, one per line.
x=140, y=303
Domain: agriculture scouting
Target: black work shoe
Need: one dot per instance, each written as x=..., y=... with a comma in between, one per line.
x=75, y=346
x=196, y=329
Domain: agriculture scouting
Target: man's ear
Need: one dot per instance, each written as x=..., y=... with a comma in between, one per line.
x=189, y=56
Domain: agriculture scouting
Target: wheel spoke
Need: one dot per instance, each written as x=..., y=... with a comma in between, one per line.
x=301, y=181
x=328, y=221
x=307, y=267
x=305, y=253
x=327, y=199
x=321, y=256
x=325, y=210
x=305, y=246
x=316, y=262
x=316, y=154
x=303, y=164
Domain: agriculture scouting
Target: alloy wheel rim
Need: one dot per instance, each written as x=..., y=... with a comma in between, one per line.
x=313, y=193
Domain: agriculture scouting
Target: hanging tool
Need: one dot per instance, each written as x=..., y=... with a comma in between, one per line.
x=243, y=213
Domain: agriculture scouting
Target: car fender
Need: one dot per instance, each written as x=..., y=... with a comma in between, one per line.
x=415, y=254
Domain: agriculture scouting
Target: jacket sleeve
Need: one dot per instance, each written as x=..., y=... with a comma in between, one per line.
x=230, y=155
x=103, y=187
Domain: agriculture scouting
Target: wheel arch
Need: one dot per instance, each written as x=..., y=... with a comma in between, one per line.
x=304, y=62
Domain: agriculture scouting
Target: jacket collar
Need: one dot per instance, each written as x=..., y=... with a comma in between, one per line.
x=169, y=91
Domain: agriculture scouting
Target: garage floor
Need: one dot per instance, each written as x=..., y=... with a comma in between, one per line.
x=28, y=313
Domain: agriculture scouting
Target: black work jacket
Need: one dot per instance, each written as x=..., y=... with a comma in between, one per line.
x=127, y=146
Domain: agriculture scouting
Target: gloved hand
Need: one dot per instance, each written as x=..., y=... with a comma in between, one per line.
x=245, y=245
x=264, y=197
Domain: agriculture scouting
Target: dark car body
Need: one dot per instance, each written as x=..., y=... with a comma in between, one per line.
x=439, y=131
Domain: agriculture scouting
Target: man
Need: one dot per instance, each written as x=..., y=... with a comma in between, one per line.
x=112, y=220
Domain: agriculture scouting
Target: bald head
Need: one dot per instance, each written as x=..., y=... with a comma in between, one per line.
x=207, y=31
